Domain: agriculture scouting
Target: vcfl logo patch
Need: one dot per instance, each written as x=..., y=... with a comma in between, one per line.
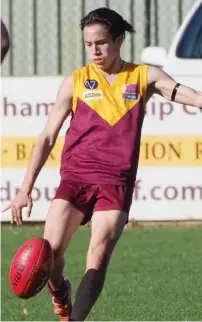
x=91, y=84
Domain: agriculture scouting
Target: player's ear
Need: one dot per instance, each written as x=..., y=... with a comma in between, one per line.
x=119, y=40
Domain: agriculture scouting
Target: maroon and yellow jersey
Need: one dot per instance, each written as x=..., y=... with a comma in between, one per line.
x=103, y=142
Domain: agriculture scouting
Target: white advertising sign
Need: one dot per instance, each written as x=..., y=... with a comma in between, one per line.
x=169, y=180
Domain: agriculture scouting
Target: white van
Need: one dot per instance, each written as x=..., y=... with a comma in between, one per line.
x=170, y=173
x=184, y=58
x=183, y=62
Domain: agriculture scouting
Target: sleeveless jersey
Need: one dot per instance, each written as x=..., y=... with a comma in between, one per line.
x=103, y=142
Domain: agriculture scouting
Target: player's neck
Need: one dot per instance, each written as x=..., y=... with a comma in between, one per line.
x=114, y=68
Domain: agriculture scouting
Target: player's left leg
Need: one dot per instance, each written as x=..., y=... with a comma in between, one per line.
x=107, y=227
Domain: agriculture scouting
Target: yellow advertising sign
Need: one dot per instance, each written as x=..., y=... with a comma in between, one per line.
x=171, y=151
x=16, y=151
x=155, y=151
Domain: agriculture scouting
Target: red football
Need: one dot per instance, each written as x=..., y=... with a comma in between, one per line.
x=31, y=267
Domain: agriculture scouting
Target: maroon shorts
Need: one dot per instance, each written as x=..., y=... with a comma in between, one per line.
x=89, y=198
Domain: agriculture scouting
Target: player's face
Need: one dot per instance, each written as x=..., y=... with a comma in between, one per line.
x=100, y=46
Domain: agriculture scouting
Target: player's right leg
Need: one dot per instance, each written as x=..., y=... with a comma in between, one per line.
x=62, y=221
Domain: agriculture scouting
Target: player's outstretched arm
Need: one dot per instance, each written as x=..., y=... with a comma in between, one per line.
x=159, y=82
x=47, y=138
x=42, y=149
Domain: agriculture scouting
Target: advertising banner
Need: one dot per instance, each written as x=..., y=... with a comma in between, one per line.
x=169, y=180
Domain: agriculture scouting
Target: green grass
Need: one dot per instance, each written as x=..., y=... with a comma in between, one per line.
x=155, y=274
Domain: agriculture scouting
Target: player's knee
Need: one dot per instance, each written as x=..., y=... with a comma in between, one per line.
x=97, y=257
x=57, y=247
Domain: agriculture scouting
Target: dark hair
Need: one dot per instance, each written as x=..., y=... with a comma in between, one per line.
x=117, y=25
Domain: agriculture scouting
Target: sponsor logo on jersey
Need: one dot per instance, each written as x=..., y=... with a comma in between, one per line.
x=91, y=84
x=131, y=92
x=92, y=95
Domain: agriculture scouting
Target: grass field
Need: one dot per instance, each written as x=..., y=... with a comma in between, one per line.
x=155, y=274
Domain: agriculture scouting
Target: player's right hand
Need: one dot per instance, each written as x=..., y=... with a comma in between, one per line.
x=20, y=201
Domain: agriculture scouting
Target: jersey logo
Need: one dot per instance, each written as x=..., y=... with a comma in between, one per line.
x=92, y=95
x=91, y=84
x=131, y=92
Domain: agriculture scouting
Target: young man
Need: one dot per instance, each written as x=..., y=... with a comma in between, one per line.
x=100, y=156
x=5, y=42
